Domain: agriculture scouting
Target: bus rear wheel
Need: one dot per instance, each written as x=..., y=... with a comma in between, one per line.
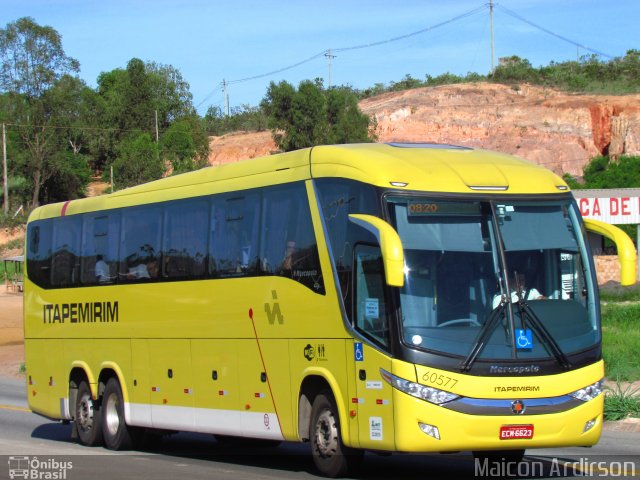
x=87, y=417
x=331, y=457
x=117, y=434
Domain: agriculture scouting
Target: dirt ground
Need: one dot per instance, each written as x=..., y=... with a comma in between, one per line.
x=11, y=333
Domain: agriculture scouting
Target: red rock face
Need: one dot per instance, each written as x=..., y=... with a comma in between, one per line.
x=557, y=130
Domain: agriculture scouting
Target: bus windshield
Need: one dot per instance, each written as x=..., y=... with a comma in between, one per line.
x=495, y=279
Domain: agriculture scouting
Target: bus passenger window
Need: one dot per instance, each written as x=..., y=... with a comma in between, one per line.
x=288, y=246
x=370, y=306
x=140, y=244
x=39, y=236
x=185, y=239
x=234, y=235
x=100, y=248
x=65, y=261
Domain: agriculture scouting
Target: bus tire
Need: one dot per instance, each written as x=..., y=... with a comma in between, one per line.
x=88, y=419
x=330, y=456
x=116, y=433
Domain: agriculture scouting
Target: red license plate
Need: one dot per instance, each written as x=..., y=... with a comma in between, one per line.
x=516, y=432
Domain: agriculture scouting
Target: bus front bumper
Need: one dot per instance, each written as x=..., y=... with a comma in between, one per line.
x=424, y=427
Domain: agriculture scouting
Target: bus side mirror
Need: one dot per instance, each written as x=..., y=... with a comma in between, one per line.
x=626, y=250
x=390, y=245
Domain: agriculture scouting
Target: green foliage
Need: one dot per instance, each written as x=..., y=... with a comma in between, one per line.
x=312, y=115
x=69, y=181
x=243, y=118
x=32, y=62
x=621, y=402
x=589, y=74
x=138, y=161
x=601, y=172
x=186, y=145
x=621, y=340
x=32, y=58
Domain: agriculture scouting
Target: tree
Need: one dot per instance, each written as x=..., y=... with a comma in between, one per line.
x=132, y=97
x=186, y=145
x=138, y=161
x=312, y=115
x=32, y=60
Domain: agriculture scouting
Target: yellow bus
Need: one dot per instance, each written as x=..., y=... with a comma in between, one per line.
x=382, y=297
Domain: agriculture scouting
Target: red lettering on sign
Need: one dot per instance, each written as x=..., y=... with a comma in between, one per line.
x=613, y=206
x=625, y=206
x=596, y=207
x=584, y=206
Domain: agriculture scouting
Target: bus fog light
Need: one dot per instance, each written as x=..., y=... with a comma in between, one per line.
x=430, y=430
x=589, y=425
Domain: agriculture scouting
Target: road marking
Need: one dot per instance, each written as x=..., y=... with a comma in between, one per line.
x=15, y=408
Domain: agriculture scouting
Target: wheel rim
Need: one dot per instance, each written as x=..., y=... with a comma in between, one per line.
x=85, y=412
x=112, y=418
x=326, y=434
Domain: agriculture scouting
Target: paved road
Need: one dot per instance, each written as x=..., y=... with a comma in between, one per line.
x=192, y=456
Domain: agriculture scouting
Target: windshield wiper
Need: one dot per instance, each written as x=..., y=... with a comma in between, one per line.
x=543, y=333
x=493, y=320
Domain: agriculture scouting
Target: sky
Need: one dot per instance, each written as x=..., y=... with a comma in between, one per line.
x=238, y=40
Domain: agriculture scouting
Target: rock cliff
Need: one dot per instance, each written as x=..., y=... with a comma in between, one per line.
x=554, y=129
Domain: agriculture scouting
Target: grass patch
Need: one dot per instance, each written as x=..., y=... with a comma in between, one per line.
x=621, y=340
x=621, y=403
x=620, y=294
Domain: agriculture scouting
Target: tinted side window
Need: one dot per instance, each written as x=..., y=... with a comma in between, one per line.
x=39, y=238
x=185, y=239
x=234, y=237
x=289, y=246
x=339, y=198
x=65, y=260
x=140, y=243
x=100, y=234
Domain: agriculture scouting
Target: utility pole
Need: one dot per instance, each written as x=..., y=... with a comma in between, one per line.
x=226, y=97
x=4, y=170
x=493, y=65
x=157, y=137
x=329, y=57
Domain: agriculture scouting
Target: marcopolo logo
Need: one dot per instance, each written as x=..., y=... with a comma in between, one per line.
x=38, y=469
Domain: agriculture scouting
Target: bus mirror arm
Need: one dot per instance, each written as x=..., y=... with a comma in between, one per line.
x=626, y=250
x=390, y=245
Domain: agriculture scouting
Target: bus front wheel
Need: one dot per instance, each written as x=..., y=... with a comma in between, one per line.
x=87, y=417
x=117, y=434
x=331, y=457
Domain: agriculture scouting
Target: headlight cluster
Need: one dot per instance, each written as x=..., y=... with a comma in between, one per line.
x=588, y=393
x=422, y=392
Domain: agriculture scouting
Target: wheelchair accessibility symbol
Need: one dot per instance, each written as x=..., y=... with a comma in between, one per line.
x=358, y=353
x=524, y=339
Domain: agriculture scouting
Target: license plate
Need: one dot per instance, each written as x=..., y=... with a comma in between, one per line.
x=516, y=432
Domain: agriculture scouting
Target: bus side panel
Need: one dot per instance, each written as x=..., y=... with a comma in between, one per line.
x=259, y=419
x=171, y=384
x=276, y=358
x=138, y=410
x=216, y=381
x=45, y=378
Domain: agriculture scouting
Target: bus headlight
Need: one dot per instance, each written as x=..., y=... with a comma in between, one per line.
x=430, y=394
x=588, y=393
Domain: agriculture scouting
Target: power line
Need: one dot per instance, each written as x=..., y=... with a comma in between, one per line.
x=412, y=34
x=330, y=52
x=546, y=30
